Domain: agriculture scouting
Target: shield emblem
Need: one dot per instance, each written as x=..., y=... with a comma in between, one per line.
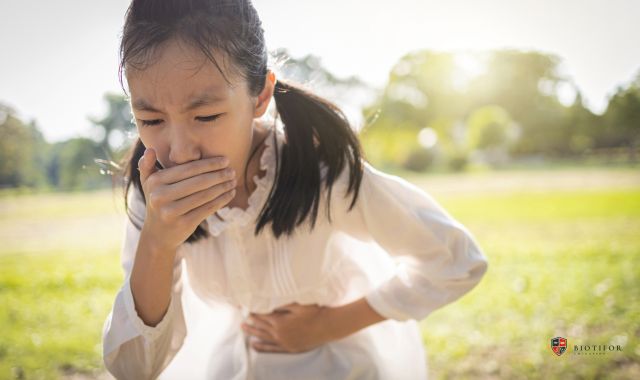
x=558, y=345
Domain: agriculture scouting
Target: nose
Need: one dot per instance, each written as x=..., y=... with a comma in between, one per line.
x=184, y=147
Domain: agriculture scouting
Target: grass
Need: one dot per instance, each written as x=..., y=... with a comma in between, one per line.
x=59, y=271
x=51, y=308
x=563, y=262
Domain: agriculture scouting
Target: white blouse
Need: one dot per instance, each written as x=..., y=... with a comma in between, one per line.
x=397, y=246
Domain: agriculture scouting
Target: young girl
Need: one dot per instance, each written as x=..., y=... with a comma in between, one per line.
x=335, y=294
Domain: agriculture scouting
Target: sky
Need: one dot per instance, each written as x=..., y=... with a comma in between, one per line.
x=59, y=58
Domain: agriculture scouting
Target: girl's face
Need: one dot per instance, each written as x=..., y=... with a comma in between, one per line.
x=186, y=111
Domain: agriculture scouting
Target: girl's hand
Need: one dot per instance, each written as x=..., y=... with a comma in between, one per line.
x=291, y=328
x=179, y=198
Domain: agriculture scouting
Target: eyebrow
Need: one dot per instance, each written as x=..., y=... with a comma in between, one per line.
x=206, y=98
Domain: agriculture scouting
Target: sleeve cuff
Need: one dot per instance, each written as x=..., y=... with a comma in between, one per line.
x=375, y=300
x=150, y=333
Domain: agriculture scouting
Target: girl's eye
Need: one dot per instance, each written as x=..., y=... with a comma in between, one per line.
x=150, y=122
x=203, y=119
x=209, y=118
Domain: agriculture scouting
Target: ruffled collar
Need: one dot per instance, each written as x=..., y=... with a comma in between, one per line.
x=257, y=199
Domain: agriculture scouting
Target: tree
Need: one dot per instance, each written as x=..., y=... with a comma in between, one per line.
x=490, y=131
x=623, y=118
x=73, y=167
x=439, y=91
x=115, y=125
x=22, y=151
x=583, y=129
x=525, y=84
x=350, y=94
x=420, y=93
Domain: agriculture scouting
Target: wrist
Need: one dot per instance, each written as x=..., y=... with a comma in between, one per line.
x=347, y=319
x=154, y=247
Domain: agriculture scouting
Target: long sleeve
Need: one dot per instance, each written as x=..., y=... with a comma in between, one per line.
x=438, y=259
x=132, y=349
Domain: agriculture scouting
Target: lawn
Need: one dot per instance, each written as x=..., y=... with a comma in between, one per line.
x=563, y=249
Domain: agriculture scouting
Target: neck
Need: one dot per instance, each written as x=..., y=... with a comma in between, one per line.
x=241, y=198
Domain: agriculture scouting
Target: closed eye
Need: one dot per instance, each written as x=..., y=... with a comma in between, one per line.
x=203, y=119
x=151, y=122
x=209, y=118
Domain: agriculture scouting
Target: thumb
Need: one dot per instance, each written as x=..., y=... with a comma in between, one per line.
x=289, y=308
x=147, y=164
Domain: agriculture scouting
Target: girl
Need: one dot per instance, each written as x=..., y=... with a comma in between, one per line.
x=330, y=296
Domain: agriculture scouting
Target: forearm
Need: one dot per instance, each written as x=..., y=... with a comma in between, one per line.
x=347, y=319
x=151, y=281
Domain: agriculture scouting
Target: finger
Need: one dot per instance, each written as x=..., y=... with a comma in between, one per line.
x=264, y=318
x=192, y=185
x=147, y=164
x=259, y=333
x=193, y=168
x=184, y=205
x=267, y=347
x=287, y=308
x=259, y=323
x=200, y=213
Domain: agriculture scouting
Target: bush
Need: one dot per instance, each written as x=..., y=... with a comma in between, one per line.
x=419, y=159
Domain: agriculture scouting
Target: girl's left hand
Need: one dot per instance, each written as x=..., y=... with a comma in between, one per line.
x=292, y=328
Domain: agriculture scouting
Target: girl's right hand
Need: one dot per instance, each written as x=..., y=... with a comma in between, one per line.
x=179, y=198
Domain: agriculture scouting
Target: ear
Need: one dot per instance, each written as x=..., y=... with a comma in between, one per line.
x=265, y=95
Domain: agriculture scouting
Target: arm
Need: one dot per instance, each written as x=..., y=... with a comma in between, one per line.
x=146, y=325
x=151, y=280
x=438, y=259
x=442, y=261
x=347, y=319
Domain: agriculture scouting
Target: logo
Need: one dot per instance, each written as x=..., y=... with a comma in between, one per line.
x=559, y=345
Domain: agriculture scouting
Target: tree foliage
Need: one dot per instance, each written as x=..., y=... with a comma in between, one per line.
x=509, y=107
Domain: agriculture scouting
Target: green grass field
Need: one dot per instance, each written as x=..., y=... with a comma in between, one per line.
x=563, y=248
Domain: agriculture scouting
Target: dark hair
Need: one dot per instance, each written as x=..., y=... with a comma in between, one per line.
x=316, y=130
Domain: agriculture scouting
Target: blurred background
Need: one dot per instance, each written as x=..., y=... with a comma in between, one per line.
x=521, y=118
